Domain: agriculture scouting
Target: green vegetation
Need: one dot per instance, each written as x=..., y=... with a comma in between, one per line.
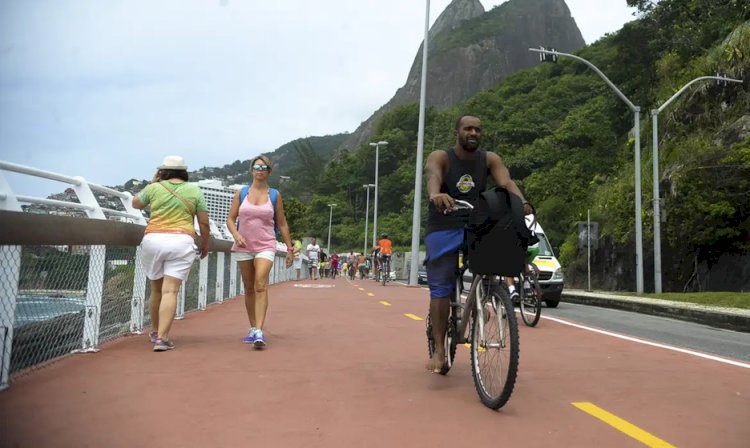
x=722, y=299
x=566, y=139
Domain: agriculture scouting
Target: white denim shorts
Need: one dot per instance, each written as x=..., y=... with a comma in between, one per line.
x=169, y=254
x=247, y=256
x=297, y=263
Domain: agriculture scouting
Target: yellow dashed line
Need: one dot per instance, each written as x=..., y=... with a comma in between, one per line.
x=361, y=289
x=413, y=316
x=628, y=428
x=371, y=294
x=385, y=303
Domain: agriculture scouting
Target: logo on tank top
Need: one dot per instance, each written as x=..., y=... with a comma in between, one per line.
x=465, y=183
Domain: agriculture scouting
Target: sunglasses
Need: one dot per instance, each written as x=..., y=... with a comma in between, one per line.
x=261, y=168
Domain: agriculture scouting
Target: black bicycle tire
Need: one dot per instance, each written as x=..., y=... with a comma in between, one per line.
x=384, y=272
x=526, y=317
x=512, y=370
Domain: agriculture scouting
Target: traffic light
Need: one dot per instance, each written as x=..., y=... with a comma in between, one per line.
x=547, y=57
x=722, y=82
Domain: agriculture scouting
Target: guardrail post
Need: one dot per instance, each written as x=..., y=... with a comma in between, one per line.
x=97, y=260
x=137, y=308
x=180, y=313
x=8, y=199
x=220, y=265
x=11, y=259
x=233, y=291
x=94, y=289
x=203, y=283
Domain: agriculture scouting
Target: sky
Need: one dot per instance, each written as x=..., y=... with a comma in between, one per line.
x=104, y=89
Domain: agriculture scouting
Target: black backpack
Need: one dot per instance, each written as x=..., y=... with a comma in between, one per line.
x=497, y=236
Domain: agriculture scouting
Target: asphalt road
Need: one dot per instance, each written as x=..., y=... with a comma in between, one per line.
x=678, y=333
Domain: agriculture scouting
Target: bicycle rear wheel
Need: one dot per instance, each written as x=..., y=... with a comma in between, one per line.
x=531, y=305
x=494, y=346
x=384, y=274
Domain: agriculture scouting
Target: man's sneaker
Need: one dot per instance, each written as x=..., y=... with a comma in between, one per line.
x=260, y=340
x=154, y=335
x=162, y=345
x=515, y=297
x=250, y=338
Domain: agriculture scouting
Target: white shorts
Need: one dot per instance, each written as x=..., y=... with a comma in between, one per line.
x=169, y=254
x=247, y=256
x=297, y=263
x=314, y=264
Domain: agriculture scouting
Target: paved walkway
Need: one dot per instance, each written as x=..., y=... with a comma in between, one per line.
x=344, y=369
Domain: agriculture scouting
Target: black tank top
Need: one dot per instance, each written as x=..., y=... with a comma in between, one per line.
x=465, y=180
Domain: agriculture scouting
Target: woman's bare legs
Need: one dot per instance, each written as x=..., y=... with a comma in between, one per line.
x=155, y=302
x=247, y=270
x=168, y=306
x=262, y=268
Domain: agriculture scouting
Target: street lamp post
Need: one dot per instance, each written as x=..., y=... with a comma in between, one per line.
x=367, y=215
x=330, y=217
x=637, y=124
x=375, y=213
x=416, y=222
x=655, y=163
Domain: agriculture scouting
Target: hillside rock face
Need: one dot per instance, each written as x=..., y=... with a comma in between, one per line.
x=471, y=50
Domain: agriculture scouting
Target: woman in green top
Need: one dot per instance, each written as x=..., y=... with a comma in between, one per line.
x=168, y=249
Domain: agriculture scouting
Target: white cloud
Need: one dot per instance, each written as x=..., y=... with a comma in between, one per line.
x=104, y=89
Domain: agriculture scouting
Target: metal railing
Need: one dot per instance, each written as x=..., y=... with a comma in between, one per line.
x=68, y=284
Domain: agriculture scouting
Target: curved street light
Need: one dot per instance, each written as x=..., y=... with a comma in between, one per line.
x=637, y=124
x=367, y=214
x=375, y=217
x=416, y=221
x=330, y=217
x=655, y=163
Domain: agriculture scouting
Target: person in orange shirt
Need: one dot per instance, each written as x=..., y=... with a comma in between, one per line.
x=383, y=251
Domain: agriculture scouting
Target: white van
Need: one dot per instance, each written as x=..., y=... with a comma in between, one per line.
x=550, y=271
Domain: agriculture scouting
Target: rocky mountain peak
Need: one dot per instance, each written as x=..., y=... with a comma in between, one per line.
x=471, y=50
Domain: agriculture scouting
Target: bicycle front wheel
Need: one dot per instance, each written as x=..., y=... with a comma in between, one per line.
x=531, y=305
x=494, y=347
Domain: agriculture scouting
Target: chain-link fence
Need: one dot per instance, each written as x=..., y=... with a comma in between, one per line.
x=69, y=298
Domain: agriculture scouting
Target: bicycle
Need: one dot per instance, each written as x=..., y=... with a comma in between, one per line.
x=530, y=301
x=488, y=313
x=385, y=268
x=350, y=269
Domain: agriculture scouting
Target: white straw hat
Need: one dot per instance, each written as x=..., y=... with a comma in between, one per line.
x=173, y=163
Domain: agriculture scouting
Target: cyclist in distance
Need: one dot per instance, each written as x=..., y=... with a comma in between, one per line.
x=458, y=173
x=383, y=251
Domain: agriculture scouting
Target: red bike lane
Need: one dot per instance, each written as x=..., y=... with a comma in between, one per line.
x=344, y=369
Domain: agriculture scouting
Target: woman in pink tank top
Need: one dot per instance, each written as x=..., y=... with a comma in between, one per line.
x=252, y=225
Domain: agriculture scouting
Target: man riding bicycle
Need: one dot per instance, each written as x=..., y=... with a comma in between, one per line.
x=458, y=173
x=383, y=251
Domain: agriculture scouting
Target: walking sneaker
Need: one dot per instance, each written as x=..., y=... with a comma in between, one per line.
x=250, y=338
x=162, y=345
x=154, y=335
x=260, y=341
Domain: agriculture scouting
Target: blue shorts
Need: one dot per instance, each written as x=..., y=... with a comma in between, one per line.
x=442, y=261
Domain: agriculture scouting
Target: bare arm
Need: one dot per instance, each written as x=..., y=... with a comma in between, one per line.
x=205, y=232
x=501, y=176
x=234, y=212
x=284, y=229
x=137, y=203
x=437, y=162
